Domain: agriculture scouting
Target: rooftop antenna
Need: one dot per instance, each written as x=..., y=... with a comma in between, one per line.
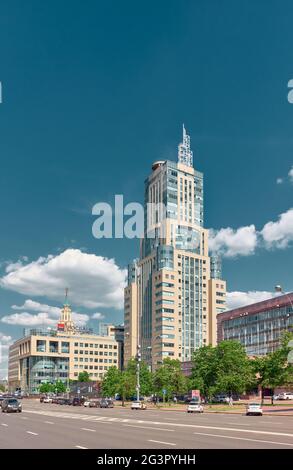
x=66, y=296
x=185, y=154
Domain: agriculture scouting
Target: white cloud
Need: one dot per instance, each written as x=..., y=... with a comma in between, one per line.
x=31, y=305
x=5, y=342
x=290, y=174
x=279, y=234
x=94, y=281
x=47, y=315
x=279, y=180
x=28, y=319
x=230, y=243
x=238, y=299
x=98, y=316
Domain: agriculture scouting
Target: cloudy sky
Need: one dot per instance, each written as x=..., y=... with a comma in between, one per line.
x=91, y=96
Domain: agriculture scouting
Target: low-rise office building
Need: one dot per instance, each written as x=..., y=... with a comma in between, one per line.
x=45, y=356
x=259, y=327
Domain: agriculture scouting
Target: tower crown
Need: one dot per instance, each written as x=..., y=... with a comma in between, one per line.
x=185, y=154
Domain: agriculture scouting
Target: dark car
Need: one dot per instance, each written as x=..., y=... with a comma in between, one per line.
x=105, y=403
x=10, y=405
x=55, y=400
x=77, y=401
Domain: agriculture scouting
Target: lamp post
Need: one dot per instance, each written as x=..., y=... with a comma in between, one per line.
x=138, y=357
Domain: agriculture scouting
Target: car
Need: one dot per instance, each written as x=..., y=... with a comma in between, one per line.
x=254, y=409
x=194, y=406
x=105, y=403
x=94, y=404
x=55, y=400
x=47, y=400
x=138, y=405
x=221, y=399
x=286, y=396
x=86, y=403
x=77, y=401
x=10, y=405
x=1, y=400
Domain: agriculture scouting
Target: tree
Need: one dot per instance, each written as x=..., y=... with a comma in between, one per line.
x=234, y=369
x=126, y=385
x=145, y=376
x=222, y=369
x=58, y=387
x=273, y=370
x=204, y=371
x=45, y=388
x=83, y=376
x=2, y=388
x=170, y=378
x=111, y=382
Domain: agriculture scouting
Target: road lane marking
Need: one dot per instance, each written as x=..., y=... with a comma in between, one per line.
x=81, y=447
x=162, y=442
x=164, y=423
x=87, y=429
x=147, y=427
x=23, y=417
x=33, y=433
x=4, y=424
x=244, y=439
x=48, y=422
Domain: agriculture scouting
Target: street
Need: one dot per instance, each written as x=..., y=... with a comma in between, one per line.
x=49, y=426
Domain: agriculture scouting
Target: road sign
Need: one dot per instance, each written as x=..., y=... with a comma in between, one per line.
x=164, y=391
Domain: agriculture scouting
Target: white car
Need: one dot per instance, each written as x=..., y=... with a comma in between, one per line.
x=254, y=409
x=286, y=396
x=138, y=405
x=47, y=400
x=86, y=403
x=194, y=407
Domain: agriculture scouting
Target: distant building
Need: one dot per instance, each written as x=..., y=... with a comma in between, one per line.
x=258, y=326
x=45, y=356
x=116, y=332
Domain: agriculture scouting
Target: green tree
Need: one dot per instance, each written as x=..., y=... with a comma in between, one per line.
x=126, y=385
x=45, y=388
x=2, y=388
x=83, y=376
x=111, y=382
x=204, y=371
x=273, y=370
x=234, y=370
x=222, y=369
x=58, y=386
x=145, y=376
x=169, y=377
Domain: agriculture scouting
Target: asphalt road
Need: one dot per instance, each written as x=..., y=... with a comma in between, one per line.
x=47, y=426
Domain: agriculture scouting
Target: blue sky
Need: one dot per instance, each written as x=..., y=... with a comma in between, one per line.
x=94, y=93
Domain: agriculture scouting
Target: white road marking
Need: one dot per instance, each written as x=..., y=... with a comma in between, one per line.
x=87, y=429
x=4, y=424
x=161, y=442
x=244, y=439
x=147, y=427
x=105, y=420
x=48, y=422
x=23, y=417
x=80, y=447
x=33, y=433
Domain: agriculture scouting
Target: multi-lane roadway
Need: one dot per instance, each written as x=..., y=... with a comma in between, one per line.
x=43, y=426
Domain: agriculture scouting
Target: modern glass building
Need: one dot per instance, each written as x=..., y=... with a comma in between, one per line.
x=45, y=356
x=259, y=327
x=171, y=295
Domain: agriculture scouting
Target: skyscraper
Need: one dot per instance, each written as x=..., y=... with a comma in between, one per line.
x=174, y=290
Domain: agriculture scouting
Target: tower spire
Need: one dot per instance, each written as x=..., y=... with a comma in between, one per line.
x=185, y=154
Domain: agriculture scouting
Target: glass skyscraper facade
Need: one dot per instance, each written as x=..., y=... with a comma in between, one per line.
x=175, y=308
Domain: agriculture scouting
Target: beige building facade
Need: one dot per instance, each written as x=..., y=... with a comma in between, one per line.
x=172, y=300
x=45, y=356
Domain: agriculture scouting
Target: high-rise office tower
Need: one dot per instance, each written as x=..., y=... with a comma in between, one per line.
x=174, y=290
